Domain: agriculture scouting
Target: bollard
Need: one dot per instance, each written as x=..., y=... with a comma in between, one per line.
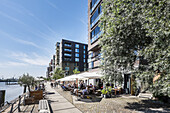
x=19, y=110
x=2, y=97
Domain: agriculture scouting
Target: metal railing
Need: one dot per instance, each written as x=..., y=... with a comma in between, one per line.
x=14, y=104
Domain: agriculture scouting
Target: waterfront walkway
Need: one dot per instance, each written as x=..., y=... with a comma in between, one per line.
x=58, y=103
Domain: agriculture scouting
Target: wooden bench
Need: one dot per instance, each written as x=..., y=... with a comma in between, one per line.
x=43, y=106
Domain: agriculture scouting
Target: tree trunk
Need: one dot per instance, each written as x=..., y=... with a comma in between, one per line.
x=29, y=88
x=25, y=88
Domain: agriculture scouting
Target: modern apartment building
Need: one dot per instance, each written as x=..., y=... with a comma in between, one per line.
x=73, y=55
x=94, y=33
x=51, y=67
x=57, y=56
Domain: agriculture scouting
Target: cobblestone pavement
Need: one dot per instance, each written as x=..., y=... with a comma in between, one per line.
x=125, y=104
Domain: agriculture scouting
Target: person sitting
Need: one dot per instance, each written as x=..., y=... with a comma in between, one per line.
x=85, y=91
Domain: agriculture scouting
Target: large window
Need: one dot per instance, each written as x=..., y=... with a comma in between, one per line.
x=67, y=59
x=67, y=68
x=76, y=55
x=76, y=50
x=84, y=47
x=96, y=14
x=93, y=2
x=77, y=45
x=77, y=59
x=66, y=54
x=95, y=31
x=84, y=56
x=67, y=50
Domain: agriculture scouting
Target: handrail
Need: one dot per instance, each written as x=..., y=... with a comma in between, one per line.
x=11, y=103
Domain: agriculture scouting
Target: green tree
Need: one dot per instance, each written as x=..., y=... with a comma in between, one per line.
x=123, y=35
x=142, y=27
x=58, y=74
x=75, y=71
x=26, y=80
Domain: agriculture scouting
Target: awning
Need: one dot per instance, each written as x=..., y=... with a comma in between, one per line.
x=91, y=75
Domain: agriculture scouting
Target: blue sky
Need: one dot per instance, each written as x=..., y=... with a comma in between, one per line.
x=29, y=30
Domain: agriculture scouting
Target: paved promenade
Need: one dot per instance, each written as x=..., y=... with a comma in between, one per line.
x=58, y=103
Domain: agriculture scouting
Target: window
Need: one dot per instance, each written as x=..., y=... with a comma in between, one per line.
x=65, y=54
x=96, y=14
x=76, y=64
x=84, y=60
x=77, y=45
x=66, y=64
x=67, y=68
x=95, y=31
x=68, y=45
x=76, y=55
x=85, y=69
x=77, y=68
x=67, y=59
x=84, y=52
x=67, y=50
x=77, y=59
x=76, y=50
x=84, y=56
x=84, y=47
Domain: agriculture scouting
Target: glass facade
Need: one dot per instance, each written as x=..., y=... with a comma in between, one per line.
x=67, y=68
x=94, y=4
x=67, y=50
x=77, y=45
x=76, y=50
x=96, y=14
x=77, y=59
x=68, y=45
x=84, y=47
x=76, y=55
x=66, y=54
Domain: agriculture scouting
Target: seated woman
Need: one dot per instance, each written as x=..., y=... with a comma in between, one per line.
x=85, y=91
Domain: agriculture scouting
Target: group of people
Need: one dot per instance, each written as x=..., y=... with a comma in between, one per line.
x=81, y=86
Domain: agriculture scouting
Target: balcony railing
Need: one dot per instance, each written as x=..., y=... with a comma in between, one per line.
x=68, y=45
x=69, y=50
x=93, y=7
x=96, y=37
x=67, y=55
x=96, y=20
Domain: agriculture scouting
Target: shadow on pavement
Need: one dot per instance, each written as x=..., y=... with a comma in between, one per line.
x=149, y=106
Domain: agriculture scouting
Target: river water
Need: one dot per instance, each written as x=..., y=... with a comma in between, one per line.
x=12, y=91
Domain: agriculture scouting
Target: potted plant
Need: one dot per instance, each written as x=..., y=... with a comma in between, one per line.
x=104, y=93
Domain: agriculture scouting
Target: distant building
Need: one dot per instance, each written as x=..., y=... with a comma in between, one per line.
x=57, y=56
x=51, y=67
x=71, y=55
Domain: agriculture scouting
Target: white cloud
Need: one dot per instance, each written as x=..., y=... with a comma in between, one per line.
x=31, y=59
x=19, y=40
x=11, y=64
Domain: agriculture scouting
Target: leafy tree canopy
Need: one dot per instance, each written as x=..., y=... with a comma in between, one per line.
x=142, y=27
x=58, y=74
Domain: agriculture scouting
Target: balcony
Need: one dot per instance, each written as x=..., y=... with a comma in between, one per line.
x=96, y=20
x=96, y=37
x=68, y=55
x=67, y=50
x=67, y=45
x=93, y=7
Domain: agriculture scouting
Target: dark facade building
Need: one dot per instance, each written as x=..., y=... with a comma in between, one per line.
x=73, y=55
x=57, y=56
x=94, y=33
